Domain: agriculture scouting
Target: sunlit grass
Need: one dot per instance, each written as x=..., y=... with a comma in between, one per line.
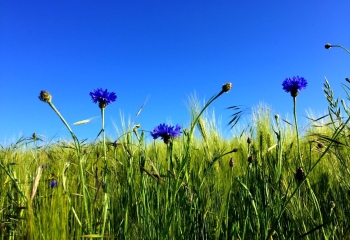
x=199, y=196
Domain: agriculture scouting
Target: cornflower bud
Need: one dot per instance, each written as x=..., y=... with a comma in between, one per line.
x=45, y=96
x=226, y=87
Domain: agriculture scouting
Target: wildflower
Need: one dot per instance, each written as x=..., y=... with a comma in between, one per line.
x=45, y=96
x=226, y=87
x=294, y=85
x=103, y=97
x=166, y=132
x=232, y=162
x=53, y=183
x=300, y=174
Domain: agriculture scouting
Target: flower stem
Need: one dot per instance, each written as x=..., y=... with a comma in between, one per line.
x=81, y=170
x=105, y=204
x=190, y=133
x=63, y=120
x=296, y=129
x=342, y=48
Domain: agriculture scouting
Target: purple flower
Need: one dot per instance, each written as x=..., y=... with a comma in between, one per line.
x=53, y=183
x=166, y=132
x=294, y=85
x=103, y=97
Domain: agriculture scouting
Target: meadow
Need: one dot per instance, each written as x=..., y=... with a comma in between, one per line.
x=268, y=181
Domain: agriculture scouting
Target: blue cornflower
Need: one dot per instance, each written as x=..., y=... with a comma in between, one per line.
x=294, y=85
x=103, y=97
x=53, y=183
x=166, y=132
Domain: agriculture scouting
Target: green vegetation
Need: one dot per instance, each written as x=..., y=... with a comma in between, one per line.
x=266, y=182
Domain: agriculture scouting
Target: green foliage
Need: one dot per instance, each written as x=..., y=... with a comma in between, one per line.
x=198, y=186
x=211, y=200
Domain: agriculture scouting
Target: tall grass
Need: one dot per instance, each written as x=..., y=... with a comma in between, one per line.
x=199, y=186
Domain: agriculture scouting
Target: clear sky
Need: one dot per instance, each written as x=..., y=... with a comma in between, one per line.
x=166, y=50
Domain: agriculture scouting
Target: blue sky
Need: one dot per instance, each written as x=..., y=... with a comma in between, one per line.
x=166, y=50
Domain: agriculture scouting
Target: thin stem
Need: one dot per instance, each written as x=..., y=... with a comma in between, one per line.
x=104, y=137
x=81, y=169
x=63, y=120
x=205, y=107
x=105, y=204
x=193, y=124
x=335, y=135
x=296, y=129
x=341, y=47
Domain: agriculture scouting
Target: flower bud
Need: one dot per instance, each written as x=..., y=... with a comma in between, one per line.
x=320, y=145
x=300, y=174
x=226, y=87
x=45, y=96
x=102, y=104
x=53, y=184
x=328, y=46
x=234, y=150
x=249, y=140
x=277, y=117
x=250, y=159
x=232, y=162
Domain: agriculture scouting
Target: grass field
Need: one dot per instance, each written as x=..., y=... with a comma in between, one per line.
x=268, y=181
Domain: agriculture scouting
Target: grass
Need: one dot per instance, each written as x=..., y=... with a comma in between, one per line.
x=187, y=189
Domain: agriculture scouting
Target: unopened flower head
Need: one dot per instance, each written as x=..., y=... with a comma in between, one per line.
x=300, y=174
x=226, y=87
x=249, y=140
x=103, y=97
x=232, y=162
x=45, y=96
x=250, y=159
x=294, y=85
x=166, y=132
x=53, y=183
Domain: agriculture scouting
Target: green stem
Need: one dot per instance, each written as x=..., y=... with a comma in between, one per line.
x=81, y=169
x=63, y=120
x=193, y=124
x=105, y=204
x=104, y=137
x=335, y=135
x=296, y=130
x=170, y=156
x=341, y=47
